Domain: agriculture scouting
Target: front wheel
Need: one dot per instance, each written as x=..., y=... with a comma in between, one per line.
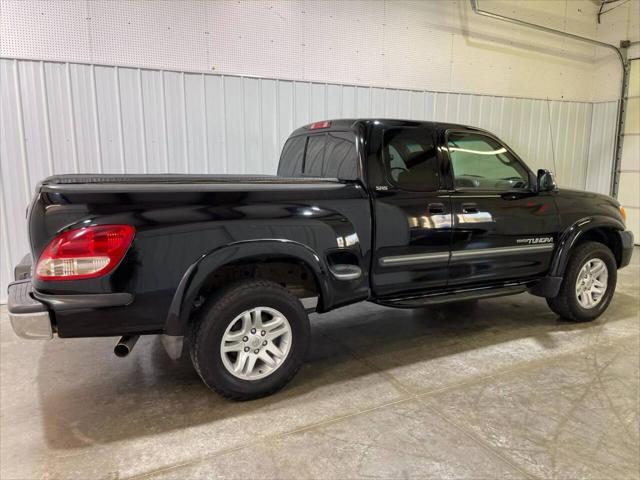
x=250, y=341
x=588, y=284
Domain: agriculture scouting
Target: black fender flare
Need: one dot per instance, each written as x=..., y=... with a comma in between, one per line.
x=571, y=236
x=198, y=273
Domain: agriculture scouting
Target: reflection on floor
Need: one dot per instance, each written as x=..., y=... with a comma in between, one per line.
x=496, y=389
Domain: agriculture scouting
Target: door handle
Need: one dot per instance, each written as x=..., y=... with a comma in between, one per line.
x=436, y=208
x=469, y=208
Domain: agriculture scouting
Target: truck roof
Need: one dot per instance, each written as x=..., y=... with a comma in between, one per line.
x=352, y=123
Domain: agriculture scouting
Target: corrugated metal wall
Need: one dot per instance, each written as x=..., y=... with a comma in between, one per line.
x=601, y=147
x=67, y=118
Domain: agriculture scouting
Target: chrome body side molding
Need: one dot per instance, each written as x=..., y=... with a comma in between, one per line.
x=486, y=252
x=393, y=261
x=409, y=259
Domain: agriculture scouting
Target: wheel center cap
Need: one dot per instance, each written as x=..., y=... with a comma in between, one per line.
x=254, y=342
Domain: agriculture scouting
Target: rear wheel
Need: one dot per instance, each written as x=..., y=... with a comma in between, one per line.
x=588, y=284
x=250, y=340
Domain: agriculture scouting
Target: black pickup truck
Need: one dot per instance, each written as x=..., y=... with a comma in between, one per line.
x=401, y=213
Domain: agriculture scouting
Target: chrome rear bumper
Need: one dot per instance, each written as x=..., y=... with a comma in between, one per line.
x=29, y=318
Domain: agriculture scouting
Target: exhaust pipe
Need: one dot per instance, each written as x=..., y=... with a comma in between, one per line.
x=125, y=345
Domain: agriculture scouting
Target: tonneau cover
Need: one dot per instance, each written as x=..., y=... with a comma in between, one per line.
x=178, y=179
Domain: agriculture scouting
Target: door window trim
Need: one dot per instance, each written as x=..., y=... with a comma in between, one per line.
x=451, y=173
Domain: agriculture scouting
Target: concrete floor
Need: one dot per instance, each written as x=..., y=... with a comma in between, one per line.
x=502, y=389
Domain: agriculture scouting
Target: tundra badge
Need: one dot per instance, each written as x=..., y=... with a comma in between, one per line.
x=532, y=241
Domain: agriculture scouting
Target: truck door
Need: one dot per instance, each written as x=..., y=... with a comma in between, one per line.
x=502, y=229
x=412, y=212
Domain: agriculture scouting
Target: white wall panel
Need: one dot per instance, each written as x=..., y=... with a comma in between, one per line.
x=435, y=45
x=66, y=118
x=601, y=147
x=620, y=23
x=631, y=153
x=629, y=182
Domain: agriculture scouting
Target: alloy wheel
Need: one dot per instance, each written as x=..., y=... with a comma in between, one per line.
x=591, y=284
x=256, y=343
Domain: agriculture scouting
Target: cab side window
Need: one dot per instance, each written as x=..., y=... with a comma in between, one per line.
x=480, y=162
x=411, y=159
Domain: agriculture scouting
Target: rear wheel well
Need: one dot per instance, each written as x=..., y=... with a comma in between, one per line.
x=292, y=274
x=606, y=236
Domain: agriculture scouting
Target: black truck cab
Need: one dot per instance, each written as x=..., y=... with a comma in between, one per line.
x=453, y=207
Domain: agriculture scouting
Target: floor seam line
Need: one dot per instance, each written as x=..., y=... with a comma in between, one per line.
x=480, y=442
x=270, y=437
x=525, y=366
x=533, y=364
x=397, y=384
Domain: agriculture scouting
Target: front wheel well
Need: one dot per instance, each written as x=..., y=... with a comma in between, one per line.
x=606, y=236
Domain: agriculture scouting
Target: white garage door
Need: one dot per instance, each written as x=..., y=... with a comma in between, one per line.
x=629, y=186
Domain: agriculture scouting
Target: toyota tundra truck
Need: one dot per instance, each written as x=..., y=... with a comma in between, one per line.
x=400, y=213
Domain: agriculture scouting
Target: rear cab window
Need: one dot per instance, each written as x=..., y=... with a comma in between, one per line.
x=292, y=157
x=330, y=154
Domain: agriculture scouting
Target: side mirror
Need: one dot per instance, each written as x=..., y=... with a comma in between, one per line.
x=546, y=182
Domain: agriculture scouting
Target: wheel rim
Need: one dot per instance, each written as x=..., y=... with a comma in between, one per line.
x=591, y=284
x=256, y=343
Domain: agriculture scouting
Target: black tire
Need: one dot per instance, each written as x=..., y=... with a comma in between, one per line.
x=206, y=332
x=566, y=303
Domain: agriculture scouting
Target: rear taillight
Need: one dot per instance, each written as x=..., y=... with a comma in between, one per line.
x=87, y=252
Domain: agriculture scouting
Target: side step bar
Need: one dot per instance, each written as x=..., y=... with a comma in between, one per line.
x=452, y=296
